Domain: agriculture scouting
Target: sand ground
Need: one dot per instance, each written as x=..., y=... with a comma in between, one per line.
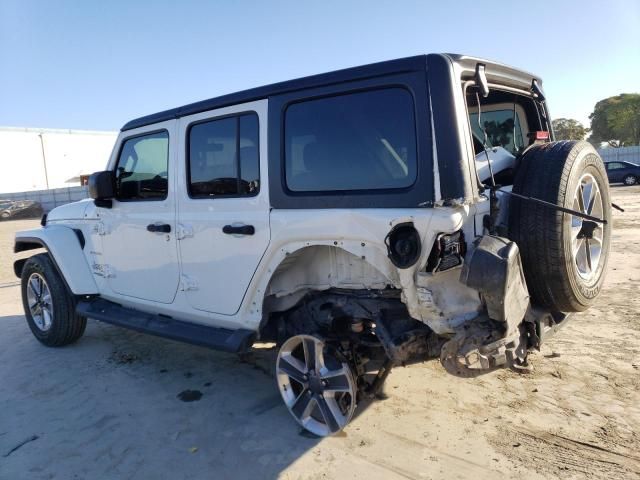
x=107, y=406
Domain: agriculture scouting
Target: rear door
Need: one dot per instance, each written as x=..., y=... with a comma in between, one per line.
x=223, y=206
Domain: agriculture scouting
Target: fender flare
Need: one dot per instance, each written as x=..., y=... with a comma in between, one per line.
x=64, y=245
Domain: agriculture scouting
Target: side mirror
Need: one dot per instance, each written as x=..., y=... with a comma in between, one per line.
x=101, y=188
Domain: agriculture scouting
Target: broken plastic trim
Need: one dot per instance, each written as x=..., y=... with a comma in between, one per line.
x=447, y=252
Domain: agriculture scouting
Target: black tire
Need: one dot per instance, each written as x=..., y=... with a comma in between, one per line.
x=629, y=180
x=65, y=326
x=552, y=172
x=5, y=215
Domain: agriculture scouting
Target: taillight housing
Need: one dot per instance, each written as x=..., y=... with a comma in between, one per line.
x=542, y=135
x=448, y=252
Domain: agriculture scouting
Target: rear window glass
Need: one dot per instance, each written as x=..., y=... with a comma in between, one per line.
x=500, y=129
x=359, y=141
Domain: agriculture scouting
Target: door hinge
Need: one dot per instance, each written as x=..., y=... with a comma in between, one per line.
x=183, y=231
x=187, y=283
x=100, y=229
x=102, y=270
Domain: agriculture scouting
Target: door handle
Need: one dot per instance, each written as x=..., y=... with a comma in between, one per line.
x=159, y=228
x=239, y=229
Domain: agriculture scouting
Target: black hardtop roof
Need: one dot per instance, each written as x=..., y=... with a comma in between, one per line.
x=401, y=65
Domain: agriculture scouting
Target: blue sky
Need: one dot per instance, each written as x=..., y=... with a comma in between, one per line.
x=97, y=64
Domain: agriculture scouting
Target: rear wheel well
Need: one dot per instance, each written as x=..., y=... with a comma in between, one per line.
x=317, y=268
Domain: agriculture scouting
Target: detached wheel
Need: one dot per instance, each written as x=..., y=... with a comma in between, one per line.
x=318, y=389
x=49, y=306
x=629, y=180
x=564, y=256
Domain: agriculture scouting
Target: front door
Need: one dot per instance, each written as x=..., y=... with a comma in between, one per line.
x=223, y=211
x=139, y=242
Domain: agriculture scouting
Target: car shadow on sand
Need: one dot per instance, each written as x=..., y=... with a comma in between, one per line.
x=119, y=403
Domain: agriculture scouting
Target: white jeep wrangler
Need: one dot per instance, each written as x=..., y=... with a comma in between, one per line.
x=359, y=219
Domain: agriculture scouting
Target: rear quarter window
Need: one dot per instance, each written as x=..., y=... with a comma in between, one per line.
x=351, y=142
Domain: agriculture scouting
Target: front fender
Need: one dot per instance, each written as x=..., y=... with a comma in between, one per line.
x=65, y=249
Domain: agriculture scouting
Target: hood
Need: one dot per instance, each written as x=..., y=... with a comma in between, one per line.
x=70, y=211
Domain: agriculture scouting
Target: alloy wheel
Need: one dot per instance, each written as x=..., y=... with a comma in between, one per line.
x=40, y=302
x=587, y=237
x=318, y=389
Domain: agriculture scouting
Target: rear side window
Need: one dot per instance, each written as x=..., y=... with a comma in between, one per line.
x=142, y=170
x=223, y=157
x=358, y=141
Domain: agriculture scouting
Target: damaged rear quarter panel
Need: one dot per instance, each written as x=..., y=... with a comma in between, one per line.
x=352, y=254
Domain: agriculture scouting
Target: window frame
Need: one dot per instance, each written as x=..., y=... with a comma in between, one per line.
x=295, y=193
x=521, y=113
x=622, y=164
x=187, y=157
x=420, y=195
x=118, y=157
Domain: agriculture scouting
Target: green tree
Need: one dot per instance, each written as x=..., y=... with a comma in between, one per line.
x=616, y=120
x=569, y=129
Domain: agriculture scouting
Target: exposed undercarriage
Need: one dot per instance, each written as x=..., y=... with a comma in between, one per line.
x=364, y=333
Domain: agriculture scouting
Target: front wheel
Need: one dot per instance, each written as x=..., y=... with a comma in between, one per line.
x=48, y=305
x=318, y=388
x=629, y=180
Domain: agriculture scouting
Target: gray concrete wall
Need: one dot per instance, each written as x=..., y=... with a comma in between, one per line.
x=623, y=154
x=49, y=199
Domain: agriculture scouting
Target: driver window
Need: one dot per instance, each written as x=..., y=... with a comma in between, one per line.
x=142, y=168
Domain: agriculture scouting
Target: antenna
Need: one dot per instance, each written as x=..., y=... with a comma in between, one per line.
x=484, y=140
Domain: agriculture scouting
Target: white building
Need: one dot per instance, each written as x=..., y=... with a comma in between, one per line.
x=44, y=158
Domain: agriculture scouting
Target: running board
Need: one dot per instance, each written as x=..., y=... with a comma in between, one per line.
x=234, y=341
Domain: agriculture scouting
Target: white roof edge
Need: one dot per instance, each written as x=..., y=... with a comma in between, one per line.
x=57, y=130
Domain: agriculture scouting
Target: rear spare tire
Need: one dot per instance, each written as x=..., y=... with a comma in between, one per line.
x=564, y=256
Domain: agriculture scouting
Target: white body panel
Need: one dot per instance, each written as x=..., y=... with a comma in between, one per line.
x=143, y=264
x=196, y=273
x=218, y=267
x=65, y=248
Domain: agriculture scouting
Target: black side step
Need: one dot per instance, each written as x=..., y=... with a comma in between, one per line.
x=234, y=341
